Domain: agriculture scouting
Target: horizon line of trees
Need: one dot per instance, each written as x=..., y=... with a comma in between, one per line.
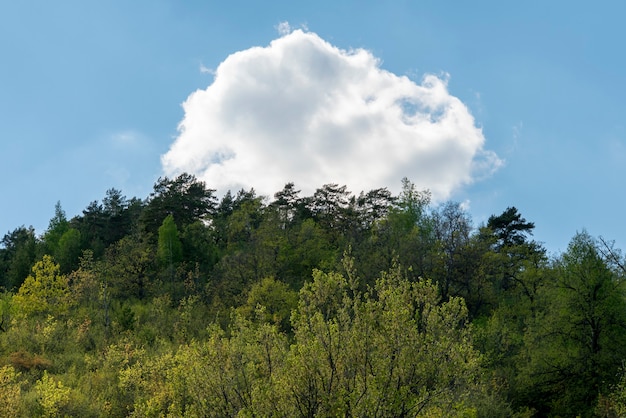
x=375, y=304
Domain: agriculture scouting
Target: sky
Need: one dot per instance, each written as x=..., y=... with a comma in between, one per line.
x=488, y=103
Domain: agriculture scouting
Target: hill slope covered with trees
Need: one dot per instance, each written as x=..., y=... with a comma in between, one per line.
x=335, y=304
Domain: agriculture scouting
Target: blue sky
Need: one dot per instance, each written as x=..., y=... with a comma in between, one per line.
x=91, y=97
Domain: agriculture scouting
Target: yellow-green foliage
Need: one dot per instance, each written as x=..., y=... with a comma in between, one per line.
x=10, y=392
x=52, y=396
x=397, y=351
x=276, y=300
x=45, y=291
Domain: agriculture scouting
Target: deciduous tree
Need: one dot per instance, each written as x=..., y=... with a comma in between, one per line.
x=46, y=291
x=579, y=341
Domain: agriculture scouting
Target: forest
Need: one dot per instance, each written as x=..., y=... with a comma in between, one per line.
x=183, y=304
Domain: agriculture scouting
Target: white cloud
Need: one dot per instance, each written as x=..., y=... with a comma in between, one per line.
x=284, y=28
x=466, y=205
x=206, y=70
x=303, y=110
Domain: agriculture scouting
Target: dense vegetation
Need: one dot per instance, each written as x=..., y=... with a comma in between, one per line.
x=334, y=304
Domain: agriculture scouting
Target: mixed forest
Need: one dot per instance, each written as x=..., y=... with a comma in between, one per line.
x=184, y=304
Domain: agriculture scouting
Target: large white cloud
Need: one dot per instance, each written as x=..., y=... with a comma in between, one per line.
x=303, y=110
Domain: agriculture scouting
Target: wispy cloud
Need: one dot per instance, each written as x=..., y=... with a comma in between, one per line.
x=125, y=138
x=303, y=110
x=283, y=28
x=206, y=70
x=517, y=133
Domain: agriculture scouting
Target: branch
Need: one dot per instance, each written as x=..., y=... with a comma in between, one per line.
x=607, y=251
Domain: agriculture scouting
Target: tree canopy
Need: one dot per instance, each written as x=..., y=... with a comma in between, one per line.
x=333, y=304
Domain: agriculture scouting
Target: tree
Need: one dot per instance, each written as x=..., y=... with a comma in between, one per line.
x=508, y=236
x=52, y=396
x=56, y=228
x=411, y=205
x=308, y=247
x=46, y=291
x=452, y=227
x=199, y=246
x=329, y=207
x=474, y=276
x=104, y=223
x=92, y=226
x=252, y=246
x=20, y=251
x=374, y=206
x=121, y=215
x=503, y=335
x=69, y=250
x=510, y=228
x=270, y=301
x=114, y=203
x=406, y=234
x=7, y=311
x=10, y=392
x=170, y=250
x=614, y=404
x=185, y=197
x=128, y=266
x=397, y=351
x=245, y=218
x=287, y=203
x=579, y=341
x=234, y=375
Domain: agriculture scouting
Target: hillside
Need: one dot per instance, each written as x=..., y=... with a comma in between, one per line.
x=335, y=304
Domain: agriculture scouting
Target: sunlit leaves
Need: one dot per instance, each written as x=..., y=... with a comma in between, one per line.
x=45, y=291
x=52, y=395
x=10, y=392
x=170, y=249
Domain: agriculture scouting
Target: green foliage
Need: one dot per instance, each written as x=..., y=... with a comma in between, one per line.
x=396, y=352
x=177, y=306
x=53, y=397
x=102, y=384
x=46, y=291
x=222, y=376
x=613, y=404
x=509, y=227
x=69, y=250
x=308, y=247
x=270, y=301
x=170, y=249
x=56, y=228
x=7, y=310
x=580, y=341
x=129, y=266
x=185, y=198
x=288, y=205
x=411, y=205
x=559, y=336
x=330, y=207
x=103, y=224
x=452, y=234
x=17, y=257
x=125, y=318
x=406, y=233
x=199, y=246
x=10, y=392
